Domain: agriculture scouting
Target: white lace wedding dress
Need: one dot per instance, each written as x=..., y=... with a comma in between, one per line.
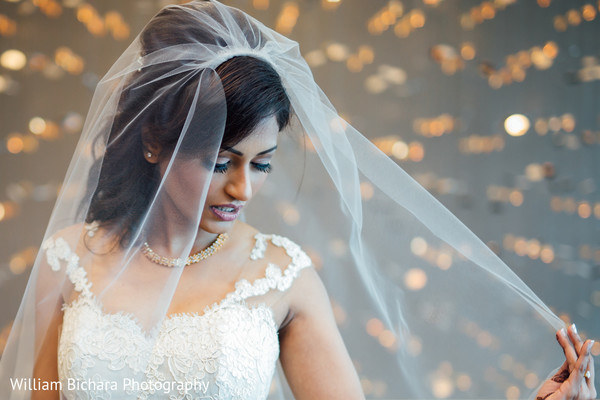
x=227, y=352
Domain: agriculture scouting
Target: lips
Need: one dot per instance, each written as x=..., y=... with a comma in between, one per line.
x=226, y=212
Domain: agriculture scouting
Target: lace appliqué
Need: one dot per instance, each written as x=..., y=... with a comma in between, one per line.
x=58, y=250
x=228, y=352
x=274, y=277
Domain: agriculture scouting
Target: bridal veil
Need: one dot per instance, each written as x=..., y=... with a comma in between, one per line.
x=425, y=308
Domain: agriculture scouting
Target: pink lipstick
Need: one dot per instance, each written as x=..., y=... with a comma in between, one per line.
x=226, y=212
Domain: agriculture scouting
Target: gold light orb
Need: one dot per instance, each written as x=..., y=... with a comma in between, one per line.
x=517, y=125
x=37, y=125
x=415, y=279
x=13, y=59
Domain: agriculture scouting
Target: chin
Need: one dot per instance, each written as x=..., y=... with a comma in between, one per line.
x=217, y=227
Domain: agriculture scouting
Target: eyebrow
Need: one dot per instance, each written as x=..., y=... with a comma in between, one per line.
x=239, y=153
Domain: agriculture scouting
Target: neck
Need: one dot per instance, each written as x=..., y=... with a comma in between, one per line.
x=171, y=237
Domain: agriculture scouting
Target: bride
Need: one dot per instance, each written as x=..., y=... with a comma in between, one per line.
x=156, y=282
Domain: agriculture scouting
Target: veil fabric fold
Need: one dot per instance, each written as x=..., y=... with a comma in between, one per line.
x=425, y=308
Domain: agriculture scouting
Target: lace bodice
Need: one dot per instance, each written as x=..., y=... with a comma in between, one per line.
x=227, y=352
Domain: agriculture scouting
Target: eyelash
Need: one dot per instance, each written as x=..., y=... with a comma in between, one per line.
x=222, y=168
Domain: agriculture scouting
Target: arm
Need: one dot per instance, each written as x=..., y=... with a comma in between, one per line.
x=47, y=324
x=314, y=358
x=46, y=362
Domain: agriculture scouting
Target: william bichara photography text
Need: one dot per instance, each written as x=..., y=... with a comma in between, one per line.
x=127, y=385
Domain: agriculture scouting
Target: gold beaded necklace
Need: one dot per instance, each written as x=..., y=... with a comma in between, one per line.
x=194, y=258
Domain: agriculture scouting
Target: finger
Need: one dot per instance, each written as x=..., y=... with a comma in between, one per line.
x=575, y=338
x=590, y=367
x=588, y=375
x=568, y=348
x=577, y=378
x=562, y=373
x=575, y=386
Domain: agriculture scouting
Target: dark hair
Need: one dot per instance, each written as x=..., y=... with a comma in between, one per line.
x=126, y=182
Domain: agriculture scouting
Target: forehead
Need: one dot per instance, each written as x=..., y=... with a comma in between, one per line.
x=262, y=137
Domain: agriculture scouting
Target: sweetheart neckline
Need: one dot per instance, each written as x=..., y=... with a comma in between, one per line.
x=240, y=284
x=93, y=301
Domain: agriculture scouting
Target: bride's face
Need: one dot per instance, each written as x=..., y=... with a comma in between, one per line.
x=238, y=174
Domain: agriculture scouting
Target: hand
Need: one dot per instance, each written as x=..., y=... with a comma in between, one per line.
x=575, y=378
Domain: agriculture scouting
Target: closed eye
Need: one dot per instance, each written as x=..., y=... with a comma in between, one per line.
x=266, y=168
x=222, y=168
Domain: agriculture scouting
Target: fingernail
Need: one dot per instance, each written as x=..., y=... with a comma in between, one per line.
x=563, y=333
x=574, y=328
x=590, y=346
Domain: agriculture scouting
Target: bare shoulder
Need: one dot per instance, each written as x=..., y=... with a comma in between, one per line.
x=307, y=294
x=72, y=233
x=81, y=237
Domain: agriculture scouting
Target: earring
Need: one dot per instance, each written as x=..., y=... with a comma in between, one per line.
x=149, y=154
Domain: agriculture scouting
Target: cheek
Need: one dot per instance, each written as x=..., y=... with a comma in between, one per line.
x=258, y=181
x=188, y=184
x=215, y=187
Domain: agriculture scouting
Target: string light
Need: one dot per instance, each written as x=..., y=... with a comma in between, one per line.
x=99, y=26
x=50, y=8
x=485, y=11
x=13, y=59
x=448, y=58
x=8, y=27
x=415, y=19
x=330, y=4
x=517, y=64
x=42, y=129
x=387, y=76
x=288, y=17
x=516, y=125
x=386, y=17
x=477, y=144
x=436, y=126
x=260, y=4
x=545, y=252
x=574, y=17
x=590, y=70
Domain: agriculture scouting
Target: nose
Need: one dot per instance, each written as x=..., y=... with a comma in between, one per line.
x=239, y=185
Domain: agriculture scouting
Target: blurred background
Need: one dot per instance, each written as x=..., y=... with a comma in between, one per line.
x=493, y=106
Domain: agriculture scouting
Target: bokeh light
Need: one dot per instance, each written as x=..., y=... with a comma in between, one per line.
x=517, y=125
x=415, y=279
x=13, y=59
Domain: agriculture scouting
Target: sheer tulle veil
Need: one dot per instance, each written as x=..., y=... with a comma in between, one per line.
x=425, y=308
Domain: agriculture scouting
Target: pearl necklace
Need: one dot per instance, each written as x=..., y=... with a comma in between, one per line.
x=180, y=262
